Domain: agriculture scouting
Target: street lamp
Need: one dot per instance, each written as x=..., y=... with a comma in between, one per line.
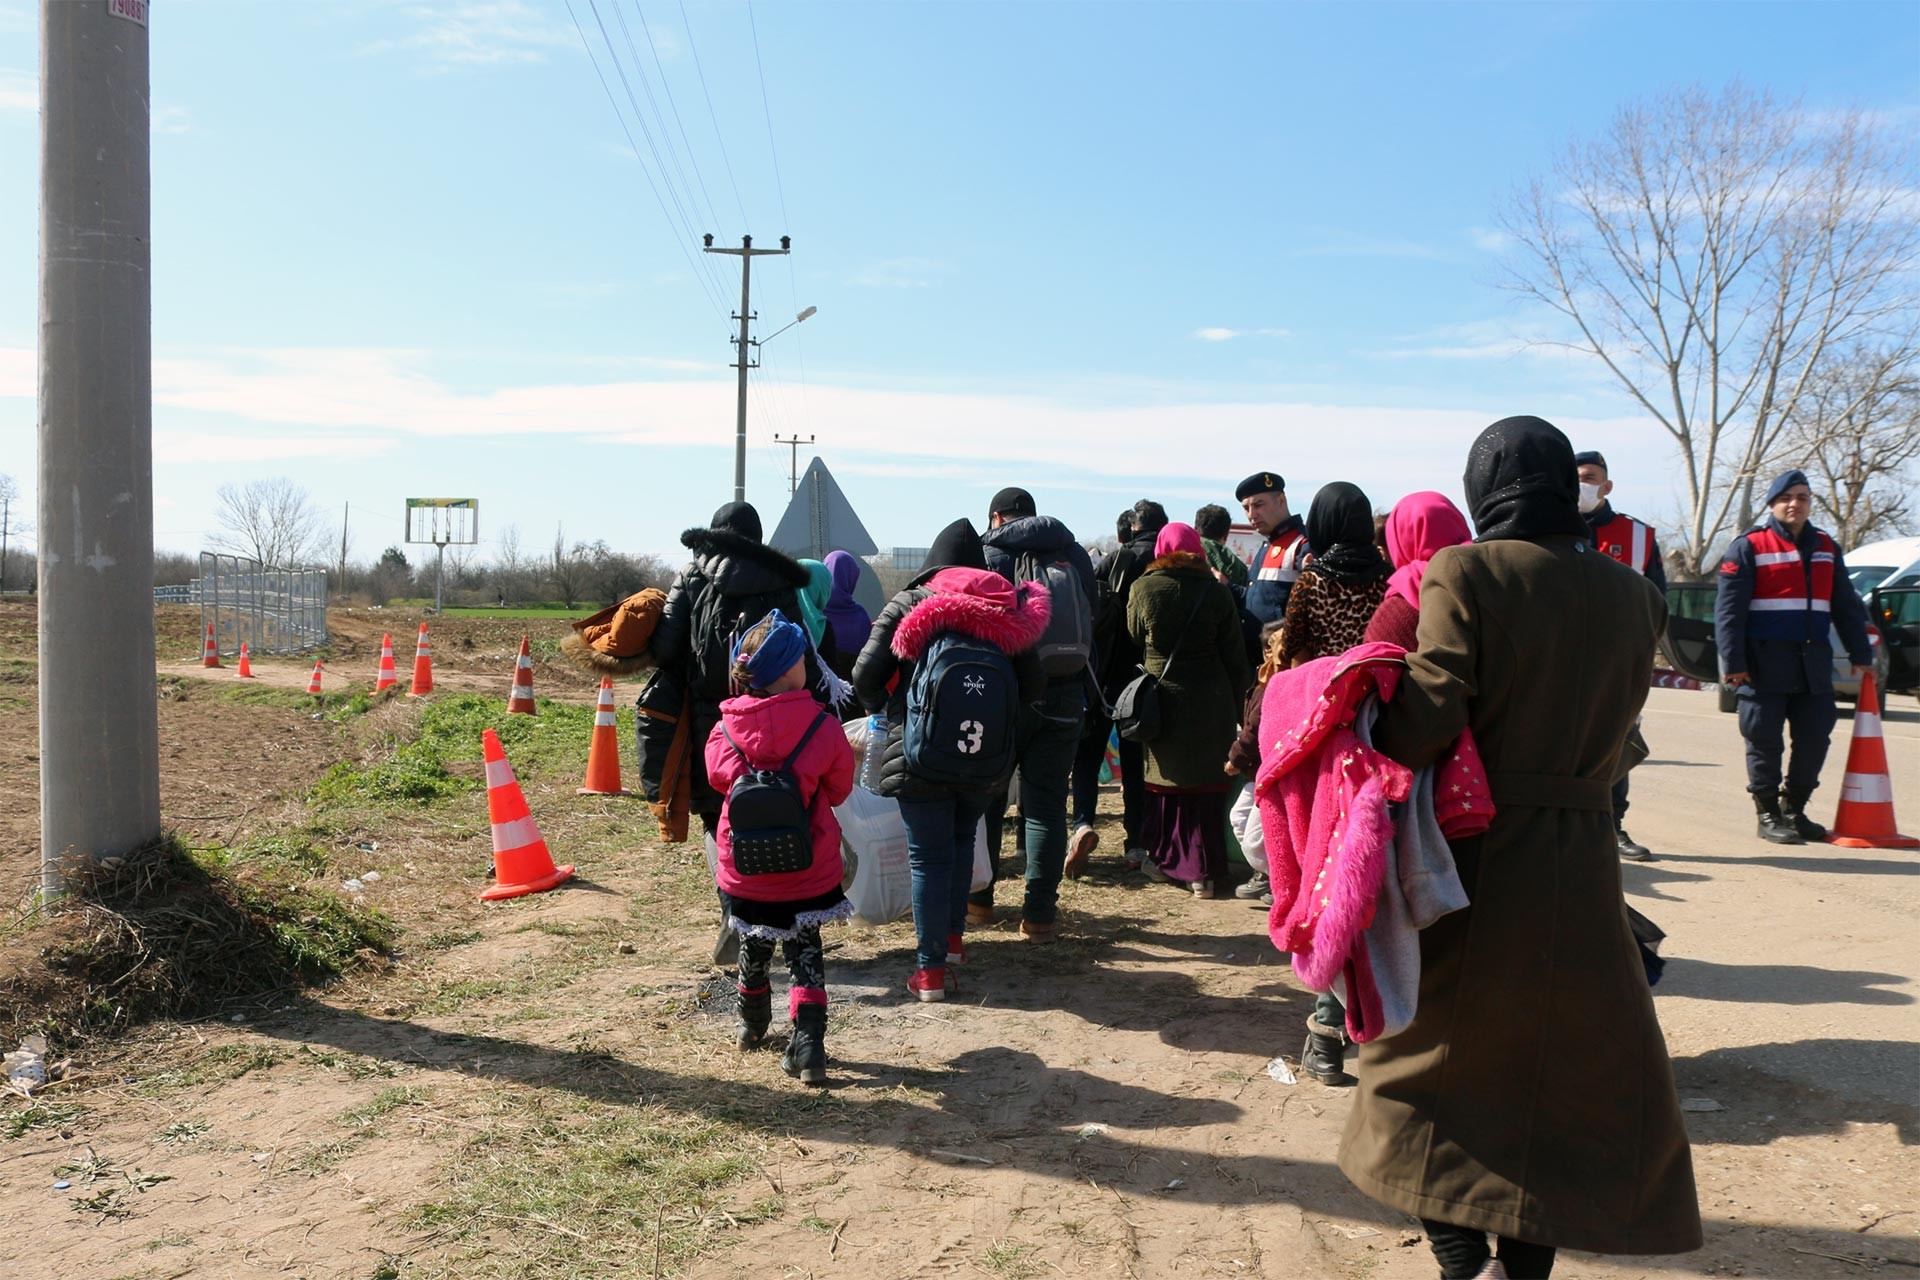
x=783, y=328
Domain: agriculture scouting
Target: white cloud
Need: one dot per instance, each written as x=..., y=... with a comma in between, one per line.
x=1490, y=239
x=346, y=404
x=899, y=273
x=169, y=120
x=1228, y=335
x=197, y=446
x=19, y=90
x=17, y=365
x=1340, y=243
x=477, y=33
x=1478, y=340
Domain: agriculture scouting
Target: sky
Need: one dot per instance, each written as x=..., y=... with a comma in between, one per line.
x=1101, y=251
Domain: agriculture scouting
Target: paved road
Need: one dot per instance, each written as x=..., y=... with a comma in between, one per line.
x=1801, y=962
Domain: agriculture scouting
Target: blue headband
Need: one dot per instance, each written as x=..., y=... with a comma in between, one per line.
x=784, y=645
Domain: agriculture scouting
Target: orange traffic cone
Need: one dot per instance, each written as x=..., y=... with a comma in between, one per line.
x=313, y=685
x=522, y=697
x=246, y=667
x=1865, y=817
x=422, y=666
x=521, y=863
x=209, y=656
x=388, y=677
x=603, y=757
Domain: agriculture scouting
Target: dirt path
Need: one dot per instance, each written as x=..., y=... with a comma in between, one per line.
x=547, y=1088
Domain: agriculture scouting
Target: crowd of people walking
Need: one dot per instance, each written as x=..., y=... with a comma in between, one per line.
x=1367, y=686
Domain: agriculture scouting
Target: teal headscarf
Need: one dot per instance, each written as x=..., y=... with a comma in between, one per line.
x=813, y=599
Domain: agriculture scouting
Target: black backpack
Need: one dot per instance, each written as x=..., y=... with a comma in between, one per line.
x=1067, y=643
x=772, y=825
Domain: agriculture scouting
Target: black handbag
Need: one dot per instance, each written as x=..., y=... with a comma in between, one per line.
x=1136, y=712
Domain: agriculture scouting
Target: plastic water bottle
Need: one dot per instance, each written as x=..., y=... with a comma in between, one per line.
x=876, y=753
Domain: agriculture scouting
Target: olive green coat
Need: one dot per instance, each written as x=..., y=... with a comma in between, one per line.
x=1200, y=701
x=1532, y=1094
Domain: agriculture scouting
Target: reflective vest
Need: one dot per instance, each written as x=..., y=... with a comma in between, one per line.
x=1626, y=540
x=1280, y=562
x=1786, y=591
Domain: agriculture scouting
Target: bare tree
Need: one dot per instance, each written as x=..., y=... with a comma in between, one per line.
x=1856, y=431
x=273, y=521
x=12, y=525
x=568, y=570
x=1715, y=253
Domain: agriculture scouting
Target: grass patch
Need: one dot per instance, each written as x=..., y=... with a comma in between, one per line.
x=181, y=1133
x=39, y=1115
x=447, y=732
x=600, y=1180
x=361, y=1120
x=227, y=1062
x=447, y=939
x=266, y=695
x=1010, y=1259
x=172, y=931
x=352, y=1065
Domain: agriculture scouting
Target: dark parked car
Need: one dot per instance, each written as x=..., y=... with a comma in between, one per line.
x=1893, y=628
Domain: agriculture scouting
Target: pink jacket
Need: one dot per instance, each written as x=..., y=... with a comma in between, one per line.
x=1323, y=799
x=767, y=729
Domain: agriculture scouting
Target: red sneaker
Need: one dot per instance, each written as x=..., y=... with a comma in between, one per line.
x=929, y=985
x=956, y=949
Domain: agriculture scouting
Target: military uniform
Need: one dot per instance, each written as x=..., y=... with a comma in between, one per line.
x=1777, y=596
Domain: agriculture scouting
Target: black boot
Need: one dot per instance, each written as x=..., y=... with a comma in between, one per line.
x=1630, y=849
x=756, y=1012
x=806, y=1055
x=1322, y=1057
x=1793, y=807
x=1774, y=827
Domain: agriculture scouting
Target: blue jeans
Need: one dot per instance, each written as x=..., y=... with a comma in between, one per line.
x=1049, y=736
x=940, y=832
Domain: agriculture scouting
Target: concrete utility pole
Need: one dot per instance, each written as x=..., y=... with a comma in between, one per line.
x=793, y=459
x=99, y=729
x=746, y=253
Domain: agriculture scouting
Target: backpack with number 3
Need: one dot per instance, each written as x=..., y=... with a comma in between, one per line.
x=961, y=711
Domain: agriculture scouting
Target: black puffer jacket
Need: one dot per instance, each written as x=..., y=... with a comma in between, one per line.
x=733, y=582
x=1115, y=650
x=887, y=656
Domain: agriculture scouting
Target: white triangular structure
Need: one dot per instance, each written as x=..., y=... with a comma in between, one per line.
x=820, y=520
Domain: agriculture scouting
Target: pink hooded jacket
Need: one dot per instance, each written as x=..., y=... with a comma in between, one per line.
x=1323, y=799
x=767, y=729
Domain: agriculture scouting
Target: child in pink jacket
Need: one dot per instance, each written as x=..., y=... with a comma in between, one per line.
x=775, y=736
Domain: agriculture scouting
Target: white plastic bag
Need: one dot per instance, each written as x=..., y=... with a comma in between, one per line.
x=871, y=830
x=882, y=887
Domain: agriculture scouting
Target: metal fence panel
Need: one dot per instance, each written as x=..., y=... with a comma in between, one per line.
x=272, y=610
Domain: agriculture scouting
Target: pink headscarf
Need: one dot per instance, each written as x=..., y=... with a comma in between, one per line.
x=1420, y=524
x=1178, y=537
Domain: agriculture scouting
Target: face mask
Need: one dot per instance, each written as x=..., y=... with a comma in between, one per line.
x=1589, y=497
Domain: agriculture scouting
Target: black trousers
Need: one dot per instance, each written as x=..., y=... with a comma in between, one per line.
x=1764, y=718
x=1087, y=759
x=1463, y=1253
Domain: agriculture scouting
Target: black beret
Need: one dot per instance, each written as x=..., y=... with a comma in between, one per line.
x=1591, y=458
x=1264, y=482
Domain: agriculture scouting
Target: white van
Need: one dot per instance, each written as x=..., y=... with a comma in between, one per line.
x=1892, y=563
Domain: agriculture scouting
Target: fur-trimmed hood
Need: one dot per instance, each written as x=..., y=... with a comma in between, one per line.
x=740, y=566
x=1176, y=560
x=977, y=603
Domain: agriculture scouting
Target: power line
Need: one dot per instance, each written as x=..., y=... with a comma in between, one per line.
x=660, y=119
x=666, y=178
x=779, y=186
x=667, y=86
x=745, y=223
x=700, y=276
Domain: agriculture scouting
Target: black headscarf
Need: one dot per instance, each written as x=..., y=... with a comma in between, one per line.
x=1340, y=531
x=740, y=518
x=957, y=546
x=1521, y=483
